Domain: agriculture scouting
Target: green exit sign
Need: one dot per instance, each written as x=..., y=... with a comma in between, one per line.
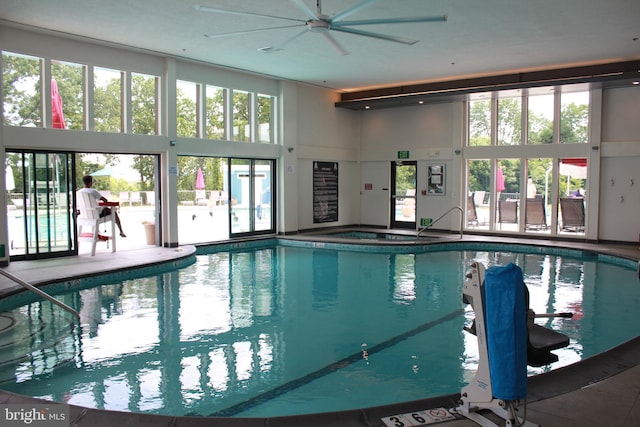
x=403, y=154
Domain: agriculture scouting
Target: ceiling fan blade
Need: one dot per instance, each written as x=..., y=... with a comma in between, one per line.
x=236, y=33
x=396, y=39
x=305, y=9
x=407, y=20
x=276, y=48
x=201, y=8
x=351, y=10
x=333, y=42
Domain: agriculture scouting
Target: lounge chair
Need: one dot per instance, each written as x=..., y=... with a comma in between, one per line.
x=89, y=217
x=572, y=211
x=472, y=215
x=508, y=211
x=535, y=214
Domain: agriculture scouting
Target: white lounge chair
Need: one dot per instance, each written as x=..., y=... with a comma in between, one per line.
x=89, y=218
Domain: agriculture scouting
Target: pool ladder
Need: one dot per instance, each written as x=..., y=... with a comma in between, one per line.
x=442, y=216
x=39, y=292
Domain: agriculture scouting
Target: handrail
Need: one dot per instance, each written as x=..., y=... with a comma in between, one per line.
x=442, y=216
x=39, y=292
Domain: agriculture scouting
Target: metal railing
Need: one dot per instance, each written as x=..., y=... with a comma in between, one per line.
x=442, y=216
x=39, y=292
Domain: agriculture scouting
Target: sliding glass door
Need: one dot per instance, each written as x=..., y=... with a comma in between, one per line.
x=251, y=184
x=39, y=204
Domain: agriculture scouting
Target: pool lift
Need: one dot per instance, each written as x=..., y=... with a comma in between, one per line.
x=508, y=341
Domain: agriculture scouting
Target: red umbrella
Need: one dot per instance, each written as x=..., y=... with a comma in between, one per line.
x=57, y=117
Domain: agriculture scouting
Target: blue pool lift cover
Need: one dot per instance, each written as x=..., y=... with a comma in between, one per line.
x=506, y=329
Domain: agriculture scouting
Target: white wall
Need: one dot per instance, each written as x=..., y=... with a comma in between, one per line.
x=619, y=209
x=429, y=132
x=325, y=133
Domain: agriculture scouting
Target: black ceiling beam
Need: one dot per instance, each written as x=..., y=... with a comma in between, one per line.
x=404, y=95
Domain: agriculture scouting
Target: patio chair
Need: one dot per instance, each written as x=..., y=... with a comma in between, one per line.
x=89, y=217
x=134, y=197
x=535, y=214
x=572, y=211
x=508, y=211
x=478, y=197
x=472, y=215
x=124, y=198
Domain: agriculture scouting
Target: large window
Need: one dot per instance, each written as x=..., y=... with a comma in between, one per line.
x=531, y=187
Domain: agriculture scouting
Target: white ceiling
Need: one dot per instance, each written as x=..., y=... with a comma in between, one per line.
x=480, y=37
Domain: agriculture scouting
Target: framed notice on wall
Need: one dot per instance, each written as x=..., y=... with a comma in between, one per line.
x=325, y=192
x=435, y=179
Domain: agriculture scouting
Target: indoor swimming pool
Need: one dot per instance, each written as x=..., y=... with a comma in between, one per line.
x=297, y=327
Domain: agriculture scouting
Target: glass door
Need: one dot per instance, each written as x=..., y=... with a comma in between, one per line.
x=39, y=205
x=403, y=194
x=251, y=184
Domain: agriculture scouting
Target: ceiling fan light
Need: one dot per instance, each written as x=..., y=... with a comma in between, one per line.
x=318, y=26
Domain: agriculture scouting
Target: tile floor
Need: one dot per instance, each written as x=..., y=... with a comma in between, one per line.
x=603, y=391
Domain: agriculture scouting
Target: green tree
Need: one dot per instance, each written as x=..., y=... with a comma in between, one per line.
x=22, y=90
x=480, y=123
x=108, y=106
x=143, y=104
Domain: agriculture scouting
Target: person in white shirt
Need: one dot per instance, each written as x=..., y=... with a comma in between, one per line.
x=88, y=188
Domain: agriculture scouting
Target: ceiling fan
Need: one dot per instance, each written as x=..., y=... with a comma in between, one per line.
x=322, y=24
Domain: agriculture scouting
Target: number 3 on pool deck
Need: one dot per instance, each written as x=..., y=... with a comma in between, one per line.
x=404, y=420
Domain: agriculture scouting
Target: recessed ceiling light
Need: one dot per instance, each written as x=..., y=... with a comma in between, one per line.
x=366, y=107
x=268, y=49
x=421, y=102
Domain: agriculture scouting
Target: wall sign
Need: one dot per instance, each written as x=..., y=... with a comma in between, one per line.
x=435, y=180
x=325, y=192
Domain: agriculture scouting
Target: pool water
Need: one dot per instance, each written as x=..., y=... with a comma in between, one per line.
x=287, y=330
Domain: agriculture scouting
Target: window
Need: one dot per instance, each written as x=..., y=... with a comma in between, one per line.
x=512, y=187
x=509, y=121
x=574, y=117
x=144, y=104
x=107, y=100
x=480, y=120
x=241, y=116
x=69, y=78
x=540, y=119
x=21, y=77
x=215, y=113
x=186, y=108
x=265, y=118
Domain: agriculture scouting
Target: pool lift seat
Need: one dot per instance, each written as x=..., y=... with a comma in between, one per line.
x=482, y=393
